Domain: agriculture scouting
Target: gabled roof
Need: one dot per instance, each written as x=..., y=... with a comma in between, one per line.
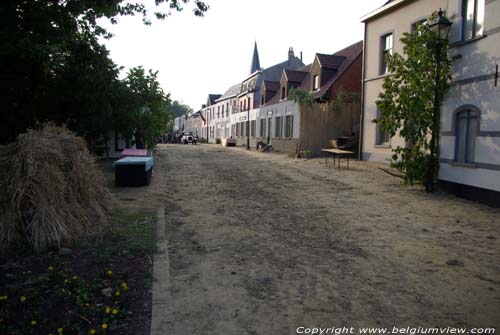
x=274, y=72
x=388, y=5
x=295, y=76
x=330, y=61
x=272, y=86
x=231, y=92
x=212, y=98
x=350, y=54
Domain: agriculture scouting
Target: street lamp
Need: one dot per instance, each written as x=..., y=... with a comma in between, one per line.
x=442, y=28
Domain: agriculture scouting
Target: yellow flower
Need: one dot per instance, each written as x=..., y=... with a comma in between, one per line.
x=3, y=297
x=108, y=310
x=59, y=330
x=117, y=293
x=104, y=326
x=50, y=268
x=33, y=323
x=115, y=311
x=75, y=277
x=23, y=298
x=124, y=286
x=109, y=273
x=66, y=281
x=117, y=302
x=92, y=331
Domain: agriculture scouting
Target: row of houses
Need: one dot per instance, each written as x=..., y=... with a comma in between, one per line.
x=346, y=84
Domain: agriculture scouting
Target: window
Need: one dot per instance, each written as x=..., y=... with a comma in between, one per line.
x=252, y=128
x=472, y=18
x=278, y=126
x=386, y=45
x=262, y=100
x=227, y=109
x=262, y=128
x=414, y=26
x=222, y=110
x=466, y=129
x=283, y=93
x=245, y=104
x=249, y=104
x=315, y=83
x=383, y=138
x=233, y=130
x=289, y=126
x=218, y=111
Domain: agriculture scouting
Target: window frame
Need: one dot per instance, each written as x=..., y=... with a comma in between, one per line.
x=463, y=12
x=378, y=132
x=469, y=110
x=316, y=82
x=383, y=64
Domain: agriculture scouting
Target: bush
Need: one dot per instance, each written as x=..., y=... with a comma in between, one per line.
x=53, y=192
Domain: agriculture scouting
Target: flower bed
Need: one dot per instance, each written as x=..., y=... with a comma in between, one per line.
x=103, y=288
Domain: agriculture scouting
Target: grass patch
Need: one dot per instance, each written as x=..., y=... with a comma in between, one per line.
x=102, y=287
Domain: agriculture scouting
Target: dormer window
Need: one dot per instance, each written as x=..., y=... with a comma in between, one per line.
x=283, y=93
x=315, y=83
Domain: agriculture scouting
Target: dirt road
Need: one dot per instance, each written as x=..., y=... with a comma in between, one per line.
x=263, y=244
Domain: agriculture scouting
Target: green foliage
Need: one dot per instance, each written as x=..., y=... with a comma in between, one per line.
x=149, y=114
x=406, y=104
x=54, y=67
x=300, y=96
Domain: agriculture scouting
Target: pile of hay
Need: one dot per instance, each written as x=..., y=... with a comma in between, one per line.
x=51, y=190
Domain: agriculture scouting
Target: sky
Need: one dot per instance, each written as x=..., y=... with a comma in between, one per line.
x=197, y=56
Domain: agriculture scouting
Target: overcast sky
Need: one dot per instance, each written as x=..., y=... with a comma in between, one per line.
x=197, y=56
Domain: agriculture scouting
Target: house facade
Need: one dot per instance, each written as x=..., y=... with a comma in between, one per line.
x=470, y=114
x=258, y=109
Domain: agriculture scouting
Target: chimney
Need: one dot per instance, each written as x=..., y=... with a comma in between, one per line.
x=301, y=56
x=290, y=53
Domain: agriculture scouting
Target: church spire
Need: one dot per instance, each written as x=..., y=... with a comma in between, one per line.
x=255, y=60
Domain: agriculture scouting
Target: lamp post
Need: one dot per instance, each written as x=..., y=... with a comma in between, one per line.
x=442, y=27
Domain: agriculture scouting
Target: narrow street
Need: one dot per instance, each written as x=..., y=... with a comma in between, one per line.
x=263, y=244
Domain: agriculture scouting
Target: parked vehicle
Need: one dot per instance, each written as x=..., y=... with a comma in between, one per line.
x=189, y=138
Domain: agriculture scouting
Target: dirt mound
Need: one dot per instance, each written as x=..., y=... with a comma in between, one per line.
x=52, y=191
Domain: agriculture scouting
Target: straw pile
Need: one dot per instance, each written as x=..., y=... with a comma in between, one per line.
x=51, y=190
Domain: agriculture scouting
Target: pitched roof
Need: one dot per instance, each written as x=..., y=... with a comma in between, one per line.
x=350, y=54
x=330, y=61
x=272, y=86
x=230, y=92
x=295, y=76
x=390, y=4
x=213, y=97
x=274, y=72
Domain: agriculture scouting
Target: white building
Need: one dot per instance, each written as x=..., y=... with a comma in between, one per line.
x=470, y=124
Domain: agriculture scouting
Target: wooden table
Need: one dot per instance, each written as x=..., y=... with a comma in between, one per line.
x=339, y=153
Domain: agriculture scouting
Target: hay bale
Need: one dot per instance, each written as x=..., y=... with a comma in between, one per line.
x=53, y=191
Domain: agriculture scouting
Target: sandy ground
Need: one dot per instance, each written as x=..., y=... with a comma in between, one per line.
x=262, y=244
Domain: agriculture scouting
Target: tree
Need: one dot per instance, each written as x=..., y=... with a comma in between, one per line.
x=53, y=66
x=406, y=104
x=149, y=114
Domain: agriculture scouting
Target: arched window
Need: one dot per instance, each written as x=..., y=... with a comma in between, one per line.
x=466, y=130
